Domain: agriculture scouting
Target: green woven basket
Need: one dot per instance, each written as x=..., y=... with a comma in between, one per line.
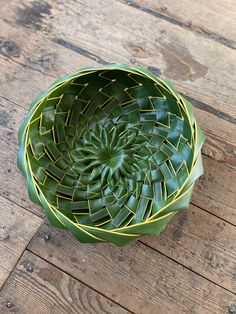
x=111, y=153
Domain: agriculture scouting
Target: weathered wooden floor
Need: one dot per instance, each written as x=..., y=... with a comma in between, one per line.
x=191, y=267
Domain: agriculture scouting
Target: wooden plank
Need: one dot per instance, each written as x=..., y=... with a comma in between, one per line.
x=17, y=226
x=211, y=192
x=202, y=243
x=213, y=18
x=37, y=287
x=193, y=62
x=140, y=279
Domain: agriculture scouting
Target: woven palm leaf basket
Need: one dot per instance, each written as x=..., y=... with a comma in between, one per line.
x=111, y=153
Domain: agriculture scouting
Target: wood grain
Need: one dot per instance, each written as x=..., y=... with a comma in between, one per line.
x=190, y=268
x=211, y=18
x=140, y=279
x=106, y=29
x=17, y=226
x=37, y=287
x=202, y=243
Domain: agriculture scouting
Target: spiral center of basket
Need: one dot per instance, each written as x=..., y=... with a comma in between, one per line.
x=106, y=151
x=113, y=158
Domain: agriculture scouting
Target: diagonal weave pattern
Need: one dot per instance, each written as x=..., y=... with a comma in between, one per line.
x=111, y=153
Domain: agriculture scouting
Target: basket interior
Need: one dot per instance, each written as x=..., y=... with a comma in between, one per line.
x=110, y=148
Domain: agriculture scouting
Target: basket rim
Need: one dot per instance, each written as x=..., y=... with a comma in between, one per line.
x=185, y=189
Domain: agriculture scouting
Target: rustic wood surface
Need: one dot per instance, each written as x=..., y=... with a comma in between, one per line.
x=191, y=267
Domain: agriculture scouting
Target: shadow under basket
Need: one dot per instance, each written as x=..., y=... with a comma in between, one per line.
x=111, y=153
